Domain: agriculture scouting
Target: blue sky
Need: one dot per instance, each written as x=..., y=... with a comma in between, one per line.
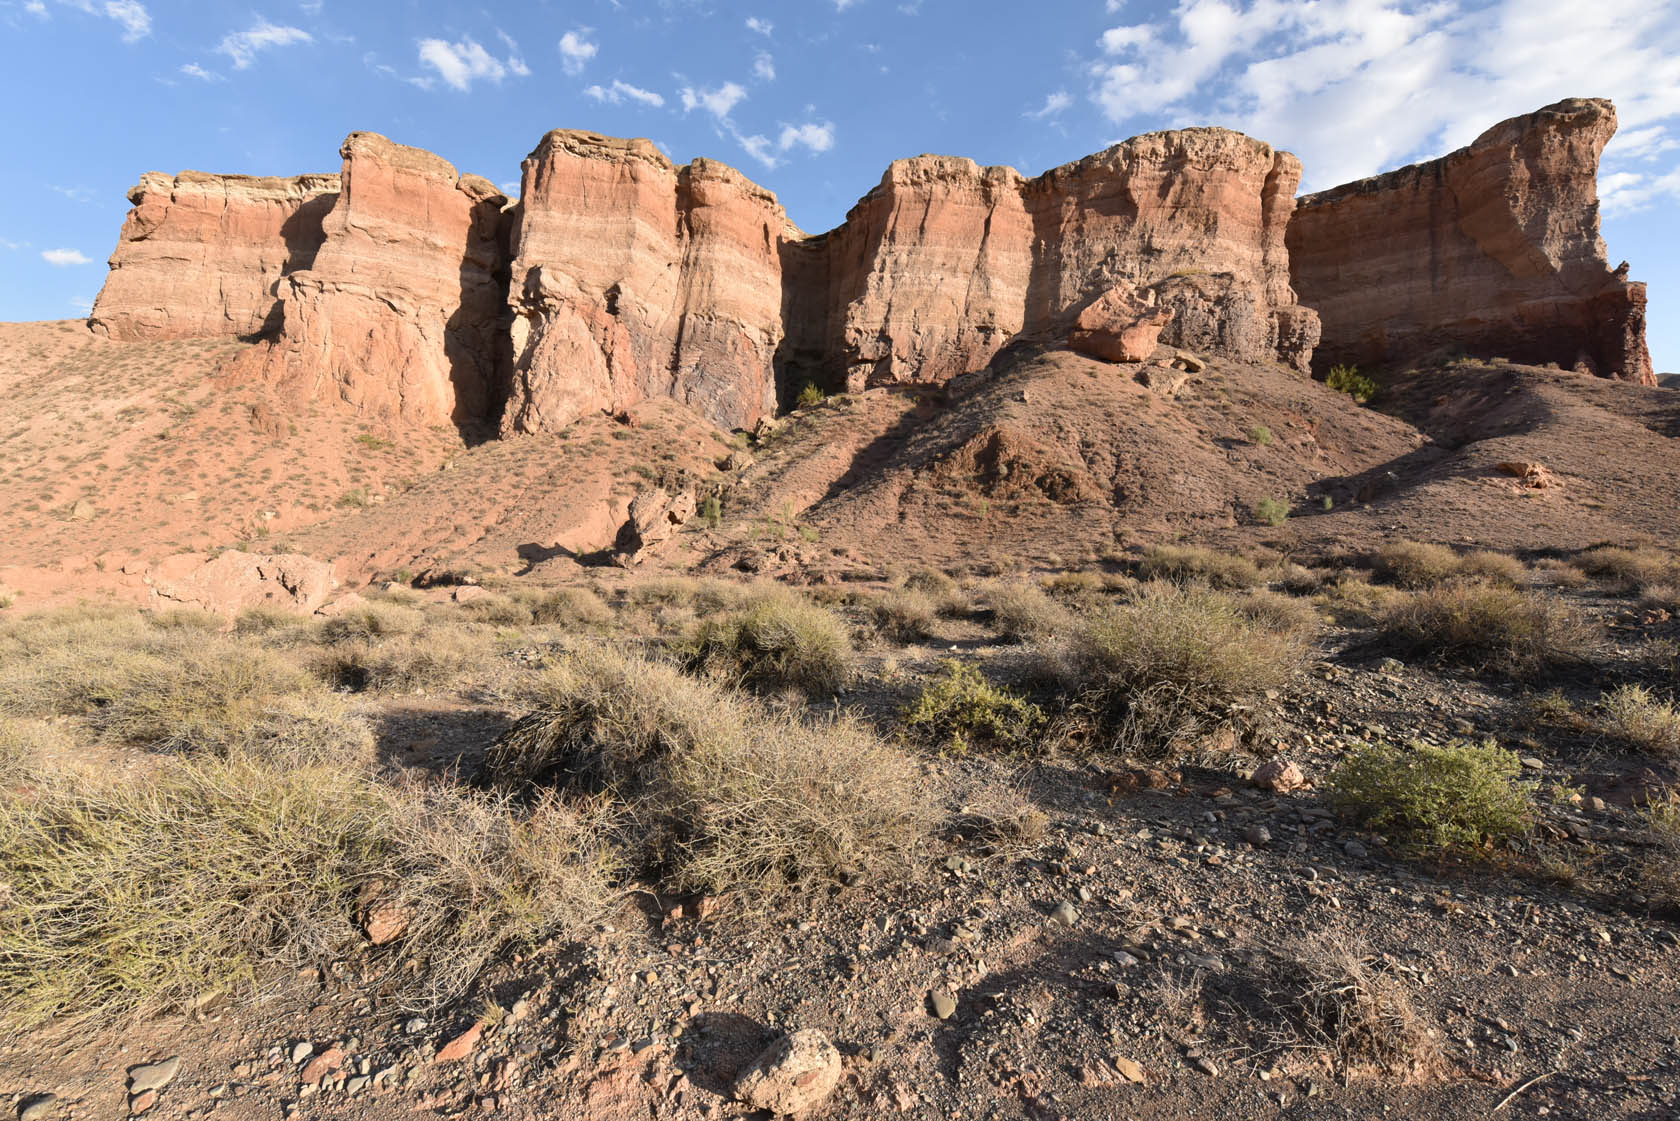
x=812, y=98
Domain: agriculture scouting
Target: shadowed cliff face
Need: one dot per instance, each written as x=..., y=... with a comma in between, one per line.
x=411, y=292
x=1493, y=250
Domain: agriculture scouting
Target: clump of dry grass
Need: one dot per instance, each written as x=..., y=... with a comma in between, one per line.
x=949, y=598
x=441, y=656
x=24, y=744
x=1339, y=1003
x=571, y=607
x=905, y=614
x=212, y=876
x=1662, y=859
x=1170, y=669
x=779, y=638
x=1415, y=564
x=1023, y=611
x=1641, y=719
x=1629, y=569
x=719, y=793
x=1187, y=563
x=372, y=620
x=1483, y=626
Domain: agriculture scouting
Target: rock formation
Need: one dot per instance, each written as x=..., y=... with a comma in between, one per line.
x=945, y=262
x=400, y=315
x=1493, y=249
x=200, y=255
x=420, y=295
x=632, y=278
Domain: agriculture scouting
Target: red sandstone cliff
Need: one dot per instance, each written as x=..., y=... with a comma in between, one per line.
x=400, y=315
x=200, y=255
x=1493, y=249
x=632, y=278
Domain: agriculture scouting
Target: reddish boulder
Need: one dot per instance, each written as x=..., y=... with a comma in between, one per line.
x=1119, y=327
x=233, y=581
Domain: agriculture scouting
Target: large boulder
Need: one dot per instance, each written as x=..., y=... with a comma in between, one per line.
x=233, y=581
x=793, y=1076
x=1119, y=327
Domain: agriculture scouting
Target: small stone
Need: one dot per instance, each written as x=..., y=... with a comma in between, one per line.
x=1279, y=776
x=461, y=1046
x=1258, y=836
x=301, y=1051
x=1207, y=1066
x=140, y=1103
x=795, y=1074
x=317, y=1068
x=1065, y=914
x=943, y=1003
x=356, y=1084
x=1129, y=1070
x=153, y=1076
x=1355, y=850
x=414, y=1025
x=36, y=1107
x=1532, y=763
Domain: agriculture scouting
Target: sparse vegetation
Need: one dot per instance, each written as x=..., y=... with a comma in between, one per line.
x=810, y=396
x=906, y=614
x=1189, y=562
x=1023, y=611
x=1272, y=511
x=1435, y=798
x=961, y=709
x=1629, y=569
x=1415, y=564
x=1482, y=626
x=1342, y=1003
x=1633, y=715
x=777, y=637
x=1260, y=436
x=1348, y=379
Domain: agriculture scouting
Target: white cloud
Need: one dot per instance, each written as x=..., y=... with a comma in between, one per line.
x=842, y=5
x=1055, y=103
x=1357, y=86
x=1641, y=143
x=759, y=148
x=36, y=8
x=242, y=46
x=136, y=21
x=13, y=245
x=194, y=70
x=817, y=138
x=515, y=60
x=74, y=194
x=764, y=67
x=461, y=63
x=64, y=258
x=619, y=92
x=762, y=26
x=717, y=102
x=1626, y=192
x=576, y=50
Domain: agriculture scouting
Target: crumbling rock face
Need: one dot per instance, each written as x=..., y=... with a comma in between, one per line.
x=943, y=263
x=1493, y=249
x=200, y=255
x=632, y=278
x=1119, y=327
x=400, y=315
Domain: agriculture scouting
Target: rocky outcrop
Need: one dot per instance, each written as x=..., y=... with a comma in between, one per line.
x=1493, y=250
x=234, y=581
x=1119, y=327
x=945, y=262
x=200, y=255
x=632, y=278
x=401, y=314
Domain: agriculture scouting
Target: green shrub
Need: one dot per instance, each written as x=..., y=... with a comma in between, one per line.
x=810, y=396
x=717, y=792
x=960, y=709
x=157, y=889
x=1272, y=511
x=1435, y=798
x=1483, y=626
x=1169, y=670
x=1189, y=562
x=711, y=511
x=1347, y=379
x=1261, y=436
x=1639, y=718
x=777, y=638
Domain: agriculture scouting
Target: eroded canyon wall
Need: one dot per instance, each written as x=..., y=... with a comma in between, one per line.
x=1494, y=250
x=200, y=255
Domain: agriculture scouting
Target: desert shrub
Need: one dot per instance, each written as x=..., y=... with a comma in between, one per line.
x=949, y=598
x=1272, y=511
x=187, y=619
x=24, y=744
x=1022, y=610
x=439, y=657
x=1170, y=669
x=150, y=891
x=906, y=614
x=1558, y=573
x=1483, y=626
x=718, y=793
x=1353, y=599
x=1661, y=865
x=267, y=621
x=810, y=396
x=1641, y=719
x=1416, y=564
x=1000, y=818
x=1348, y=379
x=1629, y=568
x=566, y=607
x=1280, y=612
x=1433, y=798
x=372, y=620
x=778, y=638
x=710, y=511
x=498, y=611
x=1188, y=562
x=960, y=709
x=1261, y=436
x=1340, y=1002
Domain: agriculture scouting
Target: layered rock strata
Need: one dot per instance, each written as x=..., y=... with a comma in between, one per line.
x=1494, y=250
x=401, y=313
x=200, y=255
x=632, y=278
